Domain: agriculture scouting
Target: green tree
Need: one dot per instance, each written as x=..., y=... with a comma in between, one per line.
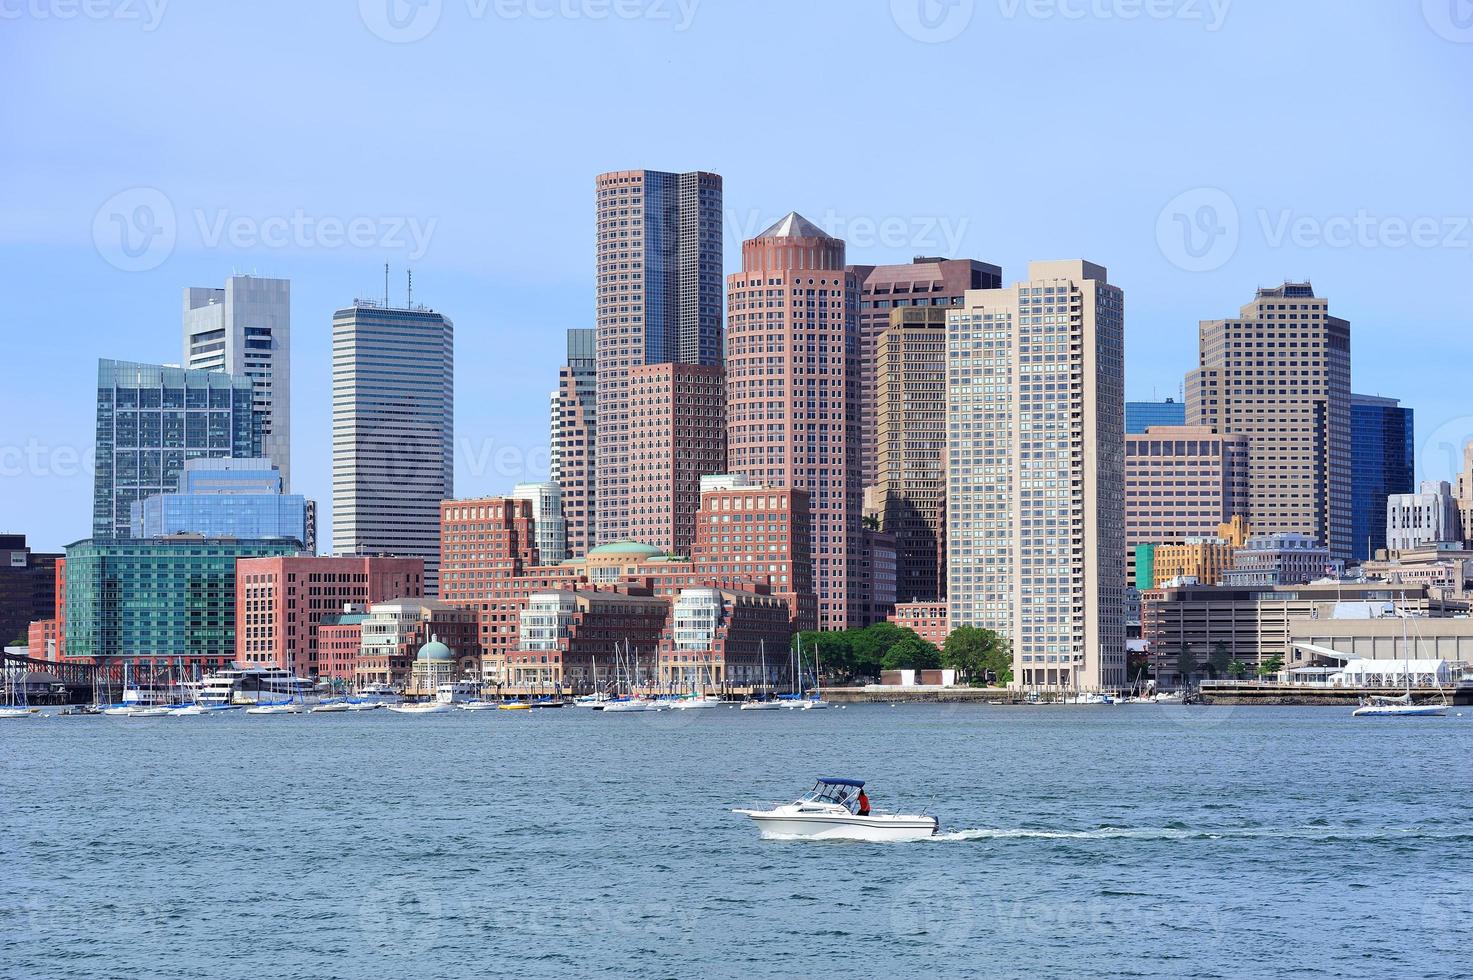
x=1236, y=669
x=872, y=522
x=974, y=653
x=1218, y=660
x=1186, y=664
x=872, y=643
x=912, y=653
x=1271, y=666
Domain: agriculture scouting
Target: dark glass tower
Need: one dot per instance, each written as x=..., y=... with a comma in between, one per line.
x=1383, y=462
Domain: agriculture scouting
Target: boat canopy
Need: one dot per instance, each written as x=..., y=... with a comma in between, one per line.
x=835, y=781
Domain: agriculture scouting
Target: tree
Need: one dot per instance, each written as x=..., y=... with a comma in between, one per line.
x=1186, y=665
x=871, y=522
x=912, y=653
x=1218, y=659
x=872, y=643
x=1140, y=666
x=1236, y=669
x=974, y=653
x=1271, y=666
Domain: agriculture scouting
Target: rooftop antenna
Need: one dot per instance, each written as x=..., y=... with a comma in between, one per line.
x=386, y=285
x=409, y=300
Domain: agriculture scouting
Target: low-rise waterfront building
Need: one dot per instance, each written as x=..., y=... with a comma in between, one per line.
x=393, y=633
x=927, y=619
x=724, y=638
x=1279, y=559
x=282, y=602
x=568, y=640
x=339, y=637
x=1204, y=559
x=167, y=600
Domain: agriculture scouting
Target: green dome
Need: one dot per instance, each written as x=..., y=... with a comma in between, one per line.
x=631, y=549
x=435, y=650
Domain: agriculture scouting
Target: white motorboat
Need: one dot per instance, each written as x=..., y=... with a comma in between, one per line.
x=620, y=705
x=190, y=710
x=760, y=706
x=277, y=708
x=149, y=711
x=366, y=705
x=331, y=706
x=810, y=704
x=691, y=704
x=422, y=707
x=477, y=705
x=837, y=809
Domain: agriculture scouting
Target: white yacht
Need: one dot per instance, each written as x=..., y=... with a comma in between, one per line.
x=458, y=692
x=837, y=809
x=255, y=686
x=422, y=707
x=1397, y=707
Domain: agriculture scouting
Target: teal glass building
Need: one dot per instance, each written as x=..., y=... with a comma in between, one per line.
x=150, y=419
x=159, y=599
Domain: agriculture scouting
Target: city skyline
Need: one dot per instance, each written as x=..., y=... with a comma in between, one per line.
x=515, y=269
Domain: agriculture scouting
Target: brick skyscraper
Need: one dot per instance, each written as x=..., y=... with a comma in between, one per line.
x=1280, y=374
x=677, y=434
x=659, y=302
x=792, y=393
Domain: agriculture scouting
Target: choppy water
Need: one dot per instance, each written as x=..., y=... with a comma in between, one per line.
x=1138, y=841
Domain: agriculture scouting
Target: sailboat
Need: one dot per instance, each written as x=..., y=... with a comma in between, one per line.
x=1400, y=706
x=763, y=703
x=12, y=707
x=817, y=700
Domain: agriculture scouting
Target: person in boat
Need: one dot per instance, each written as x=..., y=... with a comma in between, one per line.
x=863, y=804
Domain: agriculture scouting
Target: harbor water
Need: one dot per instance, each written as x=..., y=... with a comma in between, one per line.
x=1102, y=841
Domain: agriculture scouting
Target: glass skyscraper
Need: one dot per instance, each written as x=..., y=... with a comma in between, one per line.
x=226, y=498
x=1141, y=415
x=150, y=420
x=1383, y=462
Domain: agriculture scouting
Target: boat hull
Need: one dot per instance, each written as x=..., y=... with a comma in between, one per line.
x=884, y=827
x=422, y=708
x=1400, y=711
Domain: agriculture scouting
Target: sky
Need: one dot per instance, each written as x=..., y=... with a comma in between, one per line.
x=1198, y=149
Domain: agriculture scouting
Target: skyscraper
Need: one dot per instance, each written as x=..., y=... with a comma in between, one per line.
x=658, y=299
x=922, y=282
x=150, y=419
x=226, y=498
x=677, y=434
x=246, y=329
x=574, y=439
x=1279, y=373
x=1383, y=461
x=1035, y=476
x=792, y=394
x=1140, y=416
x=393, y=431
x=910, y=414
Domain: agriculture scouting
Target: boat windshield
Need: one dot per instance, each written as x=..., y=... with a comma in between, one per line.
x=843, y=793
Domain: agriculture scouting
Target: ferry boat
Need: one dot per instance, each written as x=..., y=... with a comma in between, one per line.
x=253, y=686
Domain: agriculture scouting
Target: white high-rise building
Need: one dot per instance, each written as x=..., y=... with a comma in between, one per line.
x=393, y=432
x=246, y=329
x=549, y=527
x=1430, y=516
x=1035, y=498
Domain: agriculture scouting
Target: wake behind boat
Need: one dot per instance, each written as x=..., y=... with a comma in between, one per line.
x=837, y=809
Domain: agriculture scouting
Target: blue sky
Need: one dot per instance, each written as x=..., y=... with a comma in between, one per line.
x=1197, y=149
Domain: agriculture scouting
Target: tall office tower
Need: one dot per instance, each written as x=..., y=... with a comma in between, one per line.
x=1280, y=374
x=910, y=415
x=1035, y=509
x=659, y=302
x=393, y=431
x=792, y=394
x=246, y=328
x=1383, y=461
x=925, y=282
x=1181, y=482
x=574, y=439
x=550, y=527
x=1140, y=416
x=150, y=419
x=677, y=434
